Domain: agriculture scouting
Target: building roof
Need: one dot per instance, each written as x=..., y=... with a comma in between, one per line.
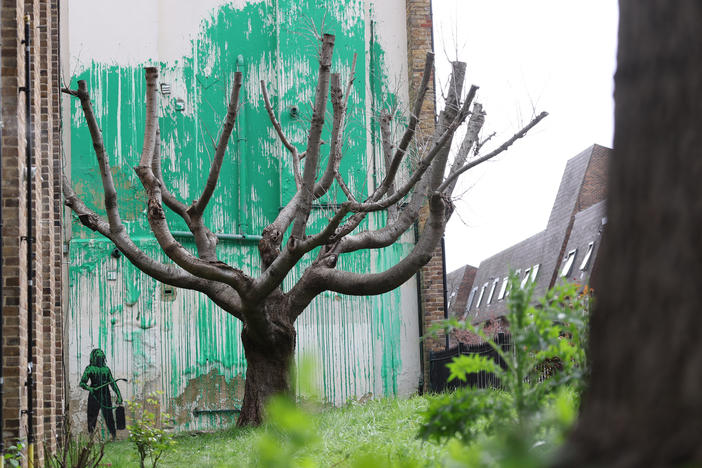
x=458, y=285
x=572, y=233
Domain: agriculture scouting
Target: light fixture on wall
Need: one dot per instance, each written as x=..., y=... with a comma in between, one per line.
x=165, y=89
x=180, y=105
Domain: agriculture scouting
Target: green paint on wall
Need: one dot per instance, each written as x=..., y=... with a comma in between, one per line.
x=169, y=343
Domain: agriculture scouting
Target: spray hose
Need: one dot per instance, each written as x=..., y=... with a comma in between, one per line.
x=105, y=385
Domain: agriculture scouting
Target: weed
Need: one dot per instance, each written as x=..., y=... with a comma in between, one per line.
x=150, y=440
x=76, y=450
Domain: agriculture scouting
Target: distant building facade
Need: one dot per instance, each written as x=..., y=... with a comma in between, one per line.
x=566, y=249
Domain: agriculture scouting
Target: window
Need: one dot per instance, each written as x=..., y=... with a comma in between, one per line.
x=470, y=299
x=530, y=275
x=482, y=293
x=568, y=265
x=588, y=254
x=503, y=289
x=492, y=290
x=525, y=280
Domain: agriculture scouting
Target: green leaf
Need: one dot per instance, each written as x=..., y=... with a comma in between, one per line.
x=469, y=364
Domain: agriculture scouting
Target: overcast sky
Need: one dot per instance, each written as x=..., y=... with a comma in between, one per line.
x=557, y=56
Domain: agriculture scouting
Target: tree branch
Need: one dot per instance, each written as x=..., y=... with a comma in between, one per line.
x=439, y=144
x=222, y=294
x=408, y=136
x=281, y=136
x=314, y=139
x=386, y=146
x=151, y=119
x=391, y=233
x=475, y=124
x=272, y=236
x=171, y=201
x=446, y=118
x=108, y=184
x=383, y=237
x=155, y=213
x=205, y=240
x=429, y=168
x=211, y=270
x=340, y=107
x=323, y=276
x=322, y=186
x=520, y=134
x=198, y=207
x=345, y=188
x=480, y=144
x=386, y=143
x=273, y=276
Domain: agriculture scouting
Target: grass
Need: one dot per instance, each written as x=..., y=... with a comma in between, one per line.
x=378, y=433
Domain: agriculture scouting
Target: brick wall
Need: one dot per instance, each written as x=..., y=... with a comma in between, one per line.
x=46, y=211
x=594, y=187
x=420, y=41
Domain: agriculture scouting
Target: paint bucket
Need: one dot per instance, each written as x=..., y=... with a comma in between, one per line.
x=119, y=418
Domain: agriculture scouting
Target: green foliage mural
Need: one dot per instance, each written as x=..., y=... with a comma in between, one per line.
x=178, y=340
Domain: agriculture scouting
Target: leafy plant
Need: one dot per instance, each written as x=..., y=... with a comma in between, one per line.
x=13, y=455
x=76, y=450
x=289, y=431
x=148, y=437
x=545, y=366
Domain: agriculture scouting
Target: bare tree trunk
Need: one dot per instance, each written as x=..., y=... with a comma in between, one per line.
x=269, y=353
x=644, y=403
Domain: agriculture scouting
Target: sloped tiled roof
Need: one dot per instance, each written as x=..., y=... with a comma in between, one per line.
x=520, y=256
x=458, y=285
x=587, y=228
x=576, y=219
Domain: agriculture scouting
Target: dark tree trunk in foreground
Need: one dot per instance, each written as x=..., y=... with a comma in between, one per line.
x=644, y=404
x=269, y=359
x=268, y=313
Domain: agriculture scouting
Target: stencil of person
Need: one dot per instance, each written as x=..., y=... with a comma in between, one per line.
x=99, y=398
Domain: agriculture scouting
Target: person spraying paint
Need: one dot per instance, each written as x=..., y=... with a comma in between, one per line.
x=99, y=398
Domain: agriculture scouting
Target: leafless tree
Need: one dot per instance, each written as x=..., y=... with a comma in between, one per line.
x=267, y=312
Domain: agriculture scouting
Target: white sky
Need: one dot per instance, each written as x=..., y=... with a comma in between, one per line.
x=527, y=56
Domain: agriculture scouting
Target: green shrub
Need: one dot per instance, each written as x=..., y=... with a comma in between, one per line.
x=13, y=455
x=150, y=440
x=544, y=374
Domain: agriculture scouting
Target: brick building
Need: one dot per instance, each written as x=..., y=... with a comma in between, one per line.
x=566, y=249
x=420, y=40
x=31, y=310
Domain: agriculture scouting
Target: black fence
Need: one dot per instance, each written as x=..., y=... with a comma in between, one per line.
x=439, y=373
